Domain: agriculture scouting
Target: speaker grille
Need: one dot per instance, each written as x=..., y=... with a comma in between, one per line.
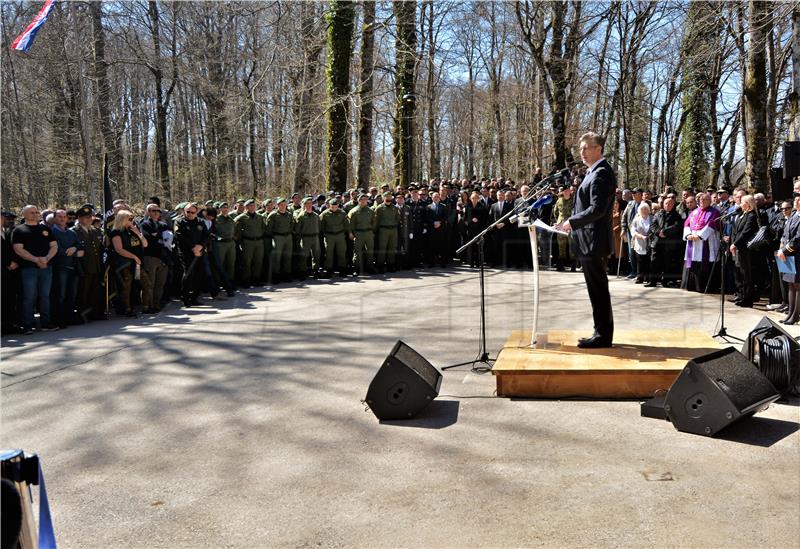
x=738, y=378
x=416, y=362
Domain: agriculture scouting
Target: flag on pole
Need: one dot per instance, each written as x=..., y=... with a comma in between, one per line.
x=24, y=41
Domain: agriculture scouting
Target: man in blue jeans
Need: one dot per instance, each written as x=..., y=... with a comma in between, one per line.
x=35, y=246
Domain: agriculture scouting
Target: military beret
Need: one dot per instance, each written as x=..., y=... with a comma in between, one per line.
x=240, y=200
x=181, y=205
x=280, y=200
x=295, y=194
x=8, y=214
x=305, y=200
x=266, y=201
x=84, y=210
x=249, y=201
x=209, y=203
x=333, y=201
x=363, y=195
x=387, y=193
x=221, y=205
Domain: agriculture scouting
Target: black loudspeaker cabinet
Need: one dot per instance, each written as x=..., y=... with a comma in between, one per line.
x=791, y=160
x=716, y=390
x=779, y=187
x=404, y=385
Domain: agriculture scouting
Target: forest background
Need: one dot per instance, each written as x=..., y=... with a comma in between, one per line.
x=238, y=99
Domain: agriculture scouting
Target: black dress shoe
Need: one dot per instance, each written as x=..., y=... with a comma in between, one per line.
x=594, y=343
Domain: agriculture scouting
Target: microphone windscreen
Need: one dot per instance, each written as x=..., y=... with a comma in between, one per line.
x=543, y=201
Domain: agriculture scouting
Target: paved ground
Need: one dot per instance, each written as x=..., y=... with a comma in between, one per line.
x=242, y=426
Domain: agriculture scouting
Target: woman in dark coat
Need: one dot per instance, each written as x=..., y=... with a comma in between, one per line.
x=476, y=219
x=744, y=229
x=789, y=250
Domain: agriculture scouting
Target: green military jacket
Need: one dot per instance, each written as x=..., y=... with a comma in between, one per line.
x=362, y=219
x=225, y=228
x=249, y=227
x=563, y=209
x=280, y=224
x=349, y=206
x=386, y=217
x=333, y=223
x=92, y=239
x=306, y=224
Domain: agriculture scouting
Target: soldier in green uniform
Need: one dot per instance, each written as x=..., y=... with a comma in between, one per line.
x=334, y=225
x=387, y=219
x=296, y=204
x=267, y=207
x=352, y=203
x=306, y=228
x=90, y=300
x=562, y=211
x=362, y=224
x=225, y=244
x=280, y=225
x=250, y=235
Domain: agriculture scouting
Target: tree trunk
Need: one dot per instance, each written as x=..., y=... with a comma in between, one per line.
x=341, y=20
x=161, y=103
x=365, y=95
x=110, y=135
x=406, y=99
x=755, y=97
x=305, y=101
x=794, y=96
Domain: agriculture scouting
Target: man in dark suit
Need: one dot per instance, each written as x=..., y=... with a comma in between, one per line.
x=503, y=232
x=590, y=226
x=438, y=213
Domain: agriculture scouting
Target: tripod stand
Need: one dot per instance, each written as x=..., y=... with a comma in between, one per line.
x=484, y=356
x=722, y=332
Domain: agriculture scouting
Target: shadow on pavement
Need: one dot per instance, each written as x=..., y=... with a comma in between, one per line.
x=438, y=415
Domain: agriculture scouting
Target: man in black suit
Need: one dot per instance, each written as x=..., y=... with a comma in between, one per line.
x=503, y=232
x=590, y=226
x=438, y=213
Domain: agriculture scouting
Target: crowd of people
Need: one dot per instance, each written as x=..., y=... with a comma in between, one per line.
x=73, y=266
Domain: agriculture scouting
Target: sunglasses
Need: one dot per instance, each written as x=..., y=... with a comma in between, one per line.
x=189, y=212
x=155, y=211
x=786, y=209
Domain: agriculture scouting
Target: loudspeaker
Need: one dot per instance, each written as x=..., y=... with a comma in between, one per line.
x=776, y=354
x=791, y=160
x=716, y=390
x=780, y=187
x=404, y=384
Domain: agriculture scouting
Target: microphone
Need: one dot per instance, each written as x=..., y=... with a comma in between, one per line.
x=533, y=212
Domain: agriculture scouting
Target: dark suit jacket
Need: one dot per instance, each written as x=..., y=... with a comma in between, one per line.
x=744, y=229
x=591, y=220
x=495, y=213
x=437, y=213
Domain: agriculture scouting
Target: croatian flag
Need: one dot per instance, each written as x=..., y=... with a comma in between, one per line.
x=25, y=40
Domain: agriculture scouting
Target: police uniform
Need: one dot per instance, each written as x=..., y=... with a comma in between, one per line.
x=362, y=224
x=306, y=228
x=188, y=234
x=90, y=299
x=334, y=227
x=280, y=226
x=387, y=219
x=225, y=243
x=250, y=229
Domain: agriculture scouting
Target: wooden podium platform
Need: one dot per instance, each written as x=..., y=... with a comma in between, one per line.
x=640, y=363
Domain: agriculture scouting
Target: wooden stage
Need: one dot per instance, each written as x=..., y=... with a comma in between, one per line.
x=640, y=363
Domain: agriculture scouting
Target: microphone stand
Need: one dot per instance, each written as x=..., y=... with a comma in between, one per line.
x=484, y=358
x=722, y=332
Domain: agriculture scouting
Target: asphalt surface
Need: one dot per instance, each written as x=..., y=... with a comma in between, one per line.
x=242, y=425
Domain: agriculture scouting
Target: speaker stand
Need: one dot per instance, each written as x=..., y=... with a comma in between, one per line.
x=484, y=356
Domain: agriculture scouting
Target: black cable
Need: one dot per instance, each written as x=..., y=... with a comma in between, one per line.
x=774, y=361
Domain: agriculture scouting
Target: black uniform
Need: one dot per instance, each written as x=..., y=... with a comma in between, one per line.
x=9, y=285
x=188, y=234
x=417, y=243
x=744, y=229
x=438, y=250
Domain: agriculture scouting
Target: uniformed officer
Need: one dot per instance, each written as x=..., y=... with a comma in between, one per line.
x=250, y=229
x=267, y=207
x=562, y=211
x=418, y=233
x=352, y=203
x=387, y=220
x=225, y=244
x=334, y=225
x=191, y=235
x=362, y=224
x=90, y=301
x=296, y=205
x=306, y=227
x=404, y=229
x=280, y=225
